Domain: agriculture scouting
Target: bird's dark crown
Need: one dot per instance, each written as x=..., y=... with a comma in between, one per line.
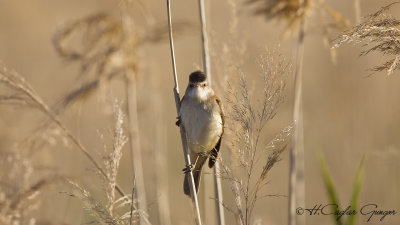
x=197, y=77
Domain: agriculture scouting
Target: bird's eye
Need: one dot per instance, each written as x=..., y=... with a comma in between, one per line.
x=191, y=85
x=203, y=85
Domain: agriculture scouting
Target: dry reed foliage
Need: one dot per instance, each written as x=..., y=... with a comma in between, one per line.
x=15, y=177
x=292, y=11
x=295, y=12
x=99, y=44
x=115, y=211
x=104, y=49
x=16, y=91
x=19, y=190
x=379, y=33
x=111, y=160
x=108, y=47
x=246, y=121
x=99, y=211
x=16, y=85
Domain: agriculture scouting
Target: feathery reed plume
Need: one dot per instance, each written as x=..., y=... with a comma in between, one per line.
x=99, y=211
x=104, y=49
x=293, y=11
x=296, y=12
x=182, y=131
x=380, y=32
x=28, y=96
x=115, y=211
x=246, y=123
x=112, y=159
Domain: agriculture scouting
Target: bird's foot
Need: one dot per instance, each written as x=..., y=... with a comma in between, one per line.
x=188, y=169
x=178, y=122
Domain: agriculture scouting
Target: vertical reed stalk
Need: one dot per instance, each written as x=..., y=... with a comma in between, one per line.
x=218, y=193
x=182, y=131
x=133, y=122
x=132, y=203
x=296, y=169
x=207, y=70
x=134, y=142
x=161, y=167
x=357, y=9
x=204, y=41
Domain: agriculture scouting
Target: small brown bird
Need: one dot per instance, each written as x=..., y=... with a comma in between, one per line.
x=202, y=117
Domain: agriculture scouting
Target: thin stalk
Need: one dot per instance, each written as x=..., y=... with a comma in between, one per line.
x=182, y=131
x=204, y=41
x=218, y=194
x=207, y=70
x=134, y=142
x=161, y=172
x=296, y=167
x=132, y=203
x=133, y=122
x=357, y=9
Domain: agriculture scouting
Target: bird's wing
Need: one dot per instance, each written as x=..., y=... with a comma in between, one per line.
x=214, y=152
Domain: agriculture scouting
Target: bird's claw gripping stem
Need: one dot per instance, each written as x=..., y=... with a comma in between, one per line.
x=188, y=169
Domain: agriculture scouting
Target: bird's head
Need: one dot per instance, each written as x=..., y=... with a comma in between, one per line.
x=198, y=86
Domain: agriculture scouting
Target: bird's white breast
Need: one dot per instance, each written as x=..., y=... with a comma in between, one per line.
x=202, y=123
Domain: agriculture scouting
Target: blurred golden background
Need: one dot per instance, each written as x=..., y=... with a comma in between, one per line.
x=347, y=115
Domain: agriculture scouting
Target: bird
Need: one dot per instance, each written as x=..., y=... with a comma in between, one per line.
x=202, y=117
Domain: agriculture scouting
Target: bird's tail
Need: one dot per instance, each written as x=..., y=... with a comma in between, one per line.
x=196, y=176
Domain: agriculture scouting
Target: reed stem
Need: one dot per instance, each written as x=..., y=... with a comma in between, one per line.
x=296, y=167
x=182, y=131
x=207, y=70
x=135, y=151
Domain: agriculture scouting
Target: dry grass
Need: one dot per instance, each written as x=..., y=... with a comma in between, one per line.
x=113, y=211
x=298, y=16
x=16, y=207
x=378, y=33
x=27, y=96
x=320, y=16
x=246, y=119
x=112, y=159
x=294, y=12
x=19, y=189
x=112, y=48
x=99, y=211
x=105, y=49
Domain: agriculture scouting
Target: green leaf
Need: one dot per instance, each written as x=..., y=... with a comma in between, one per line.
x=356, y=191
x=330, y=188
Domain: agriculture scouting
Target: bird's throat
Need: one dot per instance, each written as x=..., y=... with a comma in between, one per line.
x=199, y=94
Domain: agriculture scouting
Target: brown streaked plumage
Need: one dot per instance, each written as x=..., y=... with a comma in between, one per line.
x=202, y=117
